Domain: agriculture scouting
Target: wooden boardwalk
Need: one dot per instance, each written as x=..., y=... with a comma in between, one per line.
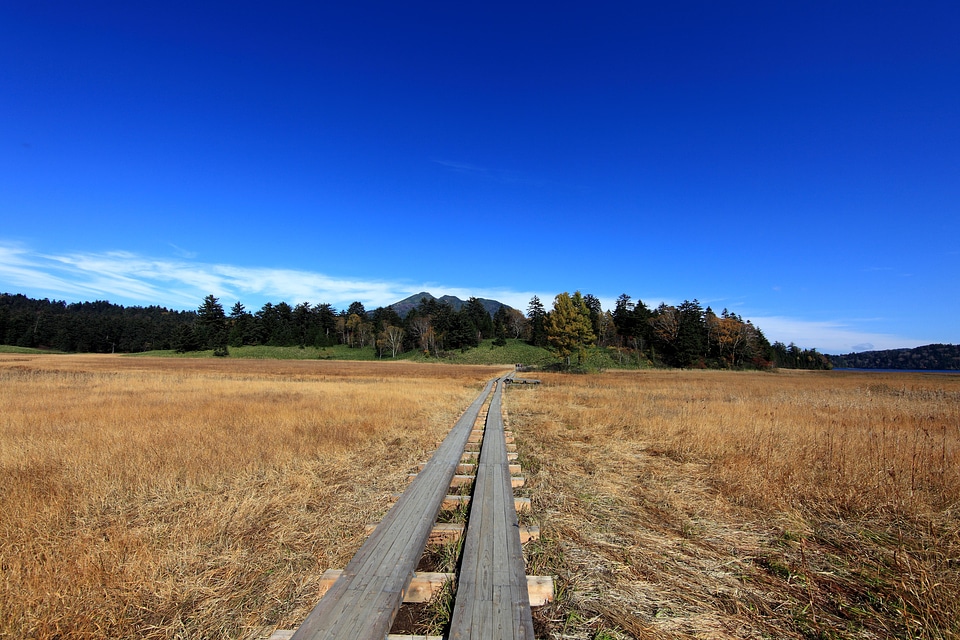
x=492, y=599
x=492, y=596
x=364, y=600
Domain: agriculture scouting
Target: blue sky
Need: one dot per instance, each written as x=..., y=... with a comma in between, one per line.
x=796, y=163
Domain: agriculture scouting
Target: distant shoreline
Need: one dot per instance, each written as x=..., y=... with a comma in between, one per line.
x=953, y=371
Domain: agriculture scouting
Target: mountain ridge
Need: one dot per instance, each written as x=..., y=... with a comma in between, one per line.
x=403, y=307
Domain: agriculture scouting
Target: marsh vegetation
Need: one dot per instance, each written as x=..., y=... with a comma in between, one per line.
x=722, y=504
x=158, y=498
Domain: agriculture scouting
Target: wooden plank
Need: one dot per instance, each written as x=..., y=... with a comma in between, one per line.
x=452, y=503
x=493, y=599
x=473, y=455
x=364, y=600
x=458, y=480
x=461, y=481
x=423, y=586
x=529, y=532
x=445, y=532
x=465, y=468
x=281, y=634
x=540, y=590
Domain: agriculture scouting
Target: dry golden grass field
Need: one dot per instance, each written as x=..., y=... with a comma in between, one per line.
x=174, y=498
x=745, y=505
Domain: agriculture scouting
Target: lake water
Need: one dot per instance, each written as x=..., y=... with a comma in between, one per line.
x=950, y=371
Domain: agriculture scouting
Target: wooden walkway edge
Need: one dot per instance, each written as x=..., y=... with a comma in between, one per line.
x=364, y=600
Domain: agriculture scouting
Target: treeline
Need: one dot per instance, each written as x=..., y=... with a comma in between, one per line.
x=433, y=326
x=88, y=327
x=945, y=357
x=686, y=335
x=101, y=327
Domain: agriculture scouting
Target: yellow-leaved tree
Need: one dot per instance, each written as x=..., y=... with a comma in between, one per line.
x=568, y=327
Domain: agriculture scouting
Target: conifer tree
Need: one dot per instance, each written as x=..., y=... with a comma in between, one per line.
x=568, y=327
x=500, y=330
x=538, y=318
x=212, y=325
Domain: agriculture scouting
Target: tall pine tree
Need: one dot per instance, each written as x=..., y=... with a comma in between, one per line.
x=537, y=316
x=212, y=327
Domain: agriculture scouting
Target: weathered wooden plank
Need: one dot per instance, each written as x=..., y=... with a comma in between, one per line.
x=459, y=480
x=465, y=480
x=465, y=468
x=286, y=634
x=363, y=601
x=473, y=455
x=424, y=586
x=452, y=503
x=492, y=596
x=445, y=532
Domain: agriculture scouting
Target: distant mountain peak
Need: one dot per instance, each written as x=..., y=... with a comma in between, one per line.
x=403, y=307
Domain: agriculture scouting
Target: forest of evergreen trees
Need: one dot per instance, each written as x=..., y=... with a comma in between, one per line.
x=88, y=327
x=686, y=335
x=943, y=357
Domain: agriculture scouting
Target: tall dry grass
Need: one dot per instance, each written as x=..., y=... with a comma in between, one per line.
x=157, y=498
x=719, y=504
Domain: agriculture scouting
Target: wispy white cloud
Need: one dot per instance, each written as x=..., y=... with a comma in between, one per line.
x=129, y=278
x=836, y=336
x=460, y=167
x=827, y=336
x=496, y=175
x=183, y=253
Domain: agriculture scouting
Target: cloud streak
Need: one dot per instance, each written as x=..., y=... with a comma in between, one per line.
x=128, y=278
x=132, y=279
x=829, y=336
x=497, y=175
